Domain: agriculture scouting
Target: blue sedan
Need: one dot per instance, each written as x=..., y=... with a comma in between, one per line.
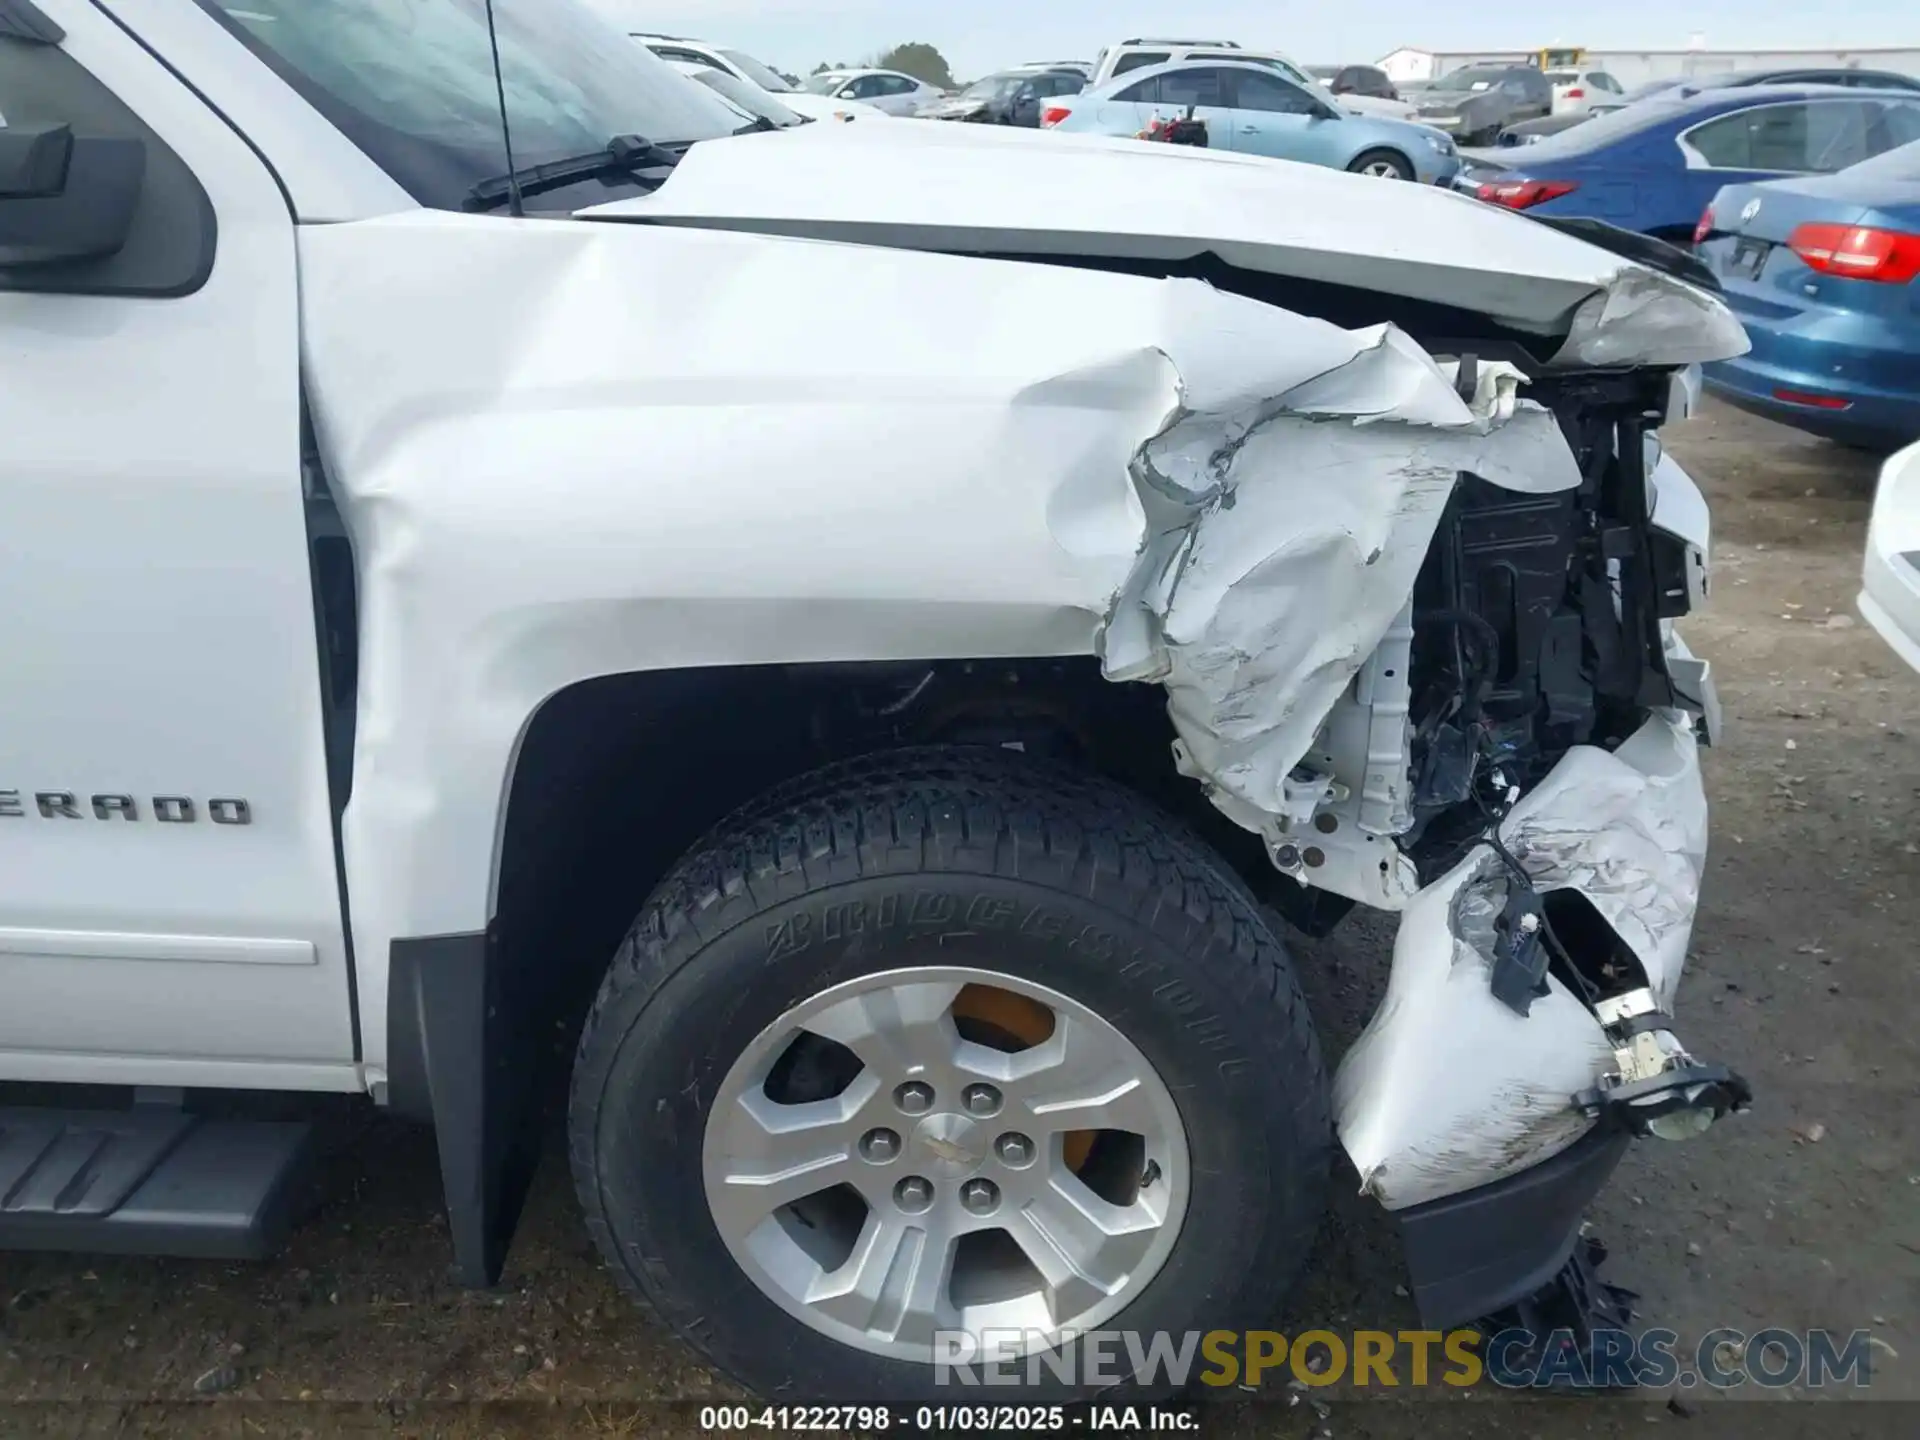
x=1252, y=109
x=1653, y=166
x=1822, y=272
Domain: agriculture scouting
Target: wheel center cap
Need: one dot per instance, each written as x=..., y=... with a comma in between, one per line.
x=949, y=1145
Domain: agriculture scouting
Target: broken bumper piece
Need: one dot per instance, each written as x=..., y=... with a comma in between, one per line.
x=1487, y=1102
x=1472, y=1255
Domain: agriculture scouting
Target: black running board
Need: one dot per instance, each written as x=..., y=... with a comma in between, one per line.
x=148, y=1181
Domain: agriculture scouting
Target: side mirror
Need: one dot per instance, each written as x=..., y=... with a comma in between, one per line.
x=64, y=199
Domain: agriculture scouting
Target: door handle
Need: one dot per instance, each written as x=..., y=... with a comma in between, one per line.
x=1249, y=129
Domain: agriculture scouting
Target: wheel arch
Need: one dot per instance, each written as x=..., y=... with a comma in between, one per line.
x=1386, y=148
x=612, y=779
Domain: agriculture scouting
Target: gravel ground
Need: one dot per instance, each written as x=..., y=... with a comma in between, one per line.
x=1804, y=1213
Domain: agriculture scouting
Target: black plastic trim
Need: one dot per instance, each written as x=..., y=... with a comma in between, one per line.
x=1472, y=1254
x=459, y=1058
x=149, y=1182
x=333, y=599
x=1648, y=250
x=164, y=168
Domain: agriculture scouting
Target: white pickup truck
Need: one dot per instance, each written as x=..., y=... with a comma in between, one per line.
x=901, y=619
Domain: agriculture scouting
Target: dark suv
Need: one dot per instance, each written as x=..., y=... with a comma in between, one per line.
x=1368, y=80
x=1475, y=103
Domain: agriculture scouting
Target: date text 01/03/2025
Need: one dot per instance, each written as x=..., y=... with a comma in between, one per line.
x=949, y=1419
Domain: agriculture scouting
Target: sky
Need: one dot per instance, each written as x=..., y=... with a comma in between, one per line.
x=977, y=36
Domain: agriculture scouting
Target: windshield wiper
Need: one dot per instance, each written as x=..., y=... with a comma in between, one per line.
x=622, y=155
x=758, y=123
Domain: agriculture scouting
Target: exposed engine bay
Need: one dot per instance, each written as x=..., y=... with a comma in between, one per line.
x=1361, y=543
x=1513, y=767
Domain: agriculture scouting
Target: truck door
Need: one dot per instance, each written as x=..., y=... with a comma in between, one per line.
x=170, y=910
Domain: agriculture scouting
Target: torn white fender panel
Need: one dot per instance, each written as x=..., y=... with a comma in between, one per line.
x=1283, y=538
x=656, y=448
x=1447, y=1088
x=1628, y=830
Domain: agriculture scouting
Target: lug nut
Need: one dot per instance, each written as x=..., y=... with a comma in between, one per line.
x=879, y=1146
x=914, y=1098
x=981, y=1197
x=981, y=1100
x=1014, y=1149
x=913, y=1194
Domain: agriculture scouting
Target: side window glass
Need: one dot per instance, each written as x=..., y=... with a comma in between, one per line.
x=1139, y=60
x=1141, y=92
x=1202, y=86
x=1723, y=143
x=1837, y=135
x=671, y=52
x=1778, y=137
x=1903, y=124
x=1275, y=97
x=169, y=246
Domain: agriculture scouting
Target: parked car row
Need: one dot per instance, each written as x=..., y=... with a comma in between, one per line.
x=1248, y=107
x=1010, y=97
x=1802, y=202
x=1820, y=268
x=1527, y=132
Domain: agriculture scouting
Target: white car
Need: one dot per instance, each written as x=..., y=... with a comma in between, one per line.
x=679, y=49
x=1890, y=579
x=457, y=607
x=691, y=56
x=796, y=104
x=887, y=90
x=1125, y=55
x=1577, y=92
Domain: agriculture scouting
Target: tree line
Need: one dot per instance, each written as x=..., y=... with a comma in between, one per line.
x=916, y=58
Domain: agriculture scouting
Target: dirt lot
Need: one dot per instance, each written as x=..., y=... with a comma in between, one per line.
x=1803, y=1214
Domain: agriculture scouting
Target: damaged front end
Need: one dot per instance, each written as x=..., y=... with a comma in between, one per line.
x=1415, y=622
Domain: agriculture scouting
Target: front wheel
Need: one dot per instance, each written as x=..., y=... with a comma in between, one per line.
x=944, y=1052
x=1383, y=165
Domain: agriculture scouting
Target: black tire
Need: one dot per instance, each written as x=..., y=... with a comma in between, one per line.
x=1207, y=994
x=1402, y=167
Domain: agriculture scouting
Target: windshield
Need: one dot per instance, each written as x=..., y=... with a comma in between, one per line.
x=823, y=84
x=1902, y=163
x=750, y=98
x=993, y=87
x=411, y=82
x=764, y=76
x=1474, y=77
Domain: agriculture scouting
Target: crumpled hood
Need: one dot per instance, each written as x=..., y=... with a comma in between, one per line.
x=990, y=190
